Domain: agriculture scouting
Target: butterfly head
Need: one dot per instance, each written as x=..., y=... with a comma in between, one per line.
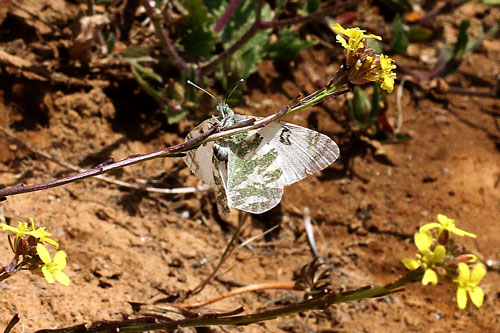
x=227, y=117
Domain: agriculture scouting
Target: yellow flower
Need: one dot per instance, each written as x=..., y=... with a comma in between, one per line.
x=387, y=75
x=468, y=283
x=52, y=269
x=362, y=63
x=23, y=230
x=427, y=258
x=356, y=39
x=447, y=224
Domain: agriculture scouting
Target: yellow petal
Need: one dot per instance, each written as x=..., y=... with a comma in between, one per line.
x=463, y=274
x=444, y=220
x=429, y=276
x=388, y=84
x=8, y=227
x=476, y=296
x=461, y=298
x=478, y=274
x=411, y=264
x=50, y=241
x=47, y=275
x=32, y=223
x=342, y=41
x=338, y=28
x=60, y=260
x=43, y=253
x=62, y=278
x=429, y=226
x=439, y=254
x=423, y=240
x=460, y=232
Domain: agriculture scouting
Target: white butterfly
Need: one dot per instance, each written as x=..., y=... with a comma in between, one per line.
x=249, y=170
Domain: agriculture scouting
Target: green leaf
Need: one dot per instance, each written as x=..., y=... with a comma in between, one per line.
x=395, y=6
x=110, y=43
x=288, y=45
x=175, y=117
x=198, y=43
x=452, y=57
x=137, y=51
x=399, y=42
x=310, y=6
x=375, y=45
x=197, y=14
x=418, y=34
x=140, y=74
x=491, y=2
x=253, y=52
x=280, y=6
x=197, y=38
x=461, y=46
x=241, y=20
x=361, y=109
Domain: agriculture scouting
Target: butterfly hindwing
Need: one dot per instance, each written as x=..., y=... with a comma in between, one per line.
x=255, y=172
x=219, y=169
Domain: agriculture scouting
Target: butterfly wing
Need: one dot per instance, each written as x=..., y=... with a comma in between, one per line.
x=199, y=160
x=262, y=162
x=303, y=151
x=255, y=173
x=219, y=170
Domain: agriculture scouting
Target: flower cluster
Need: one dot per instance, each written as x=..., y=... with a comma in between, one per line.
x=438, y=257
x=28, y=244
x=361, y=62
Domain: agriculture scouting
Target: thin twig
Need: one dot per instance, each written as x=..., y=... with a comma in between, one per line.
x=100, y=169
x=182, y=190
x=469, y=92
x=399, y=108
x=157, y=19
x=316, y=303
x=251, y=239
x=238, y=291
x=243, y=217
x=231, y=7
x=233, y=48
x=306, y=18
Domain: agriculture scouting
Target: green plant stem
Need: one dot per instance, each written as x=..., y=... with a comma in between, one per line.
x=317, y=303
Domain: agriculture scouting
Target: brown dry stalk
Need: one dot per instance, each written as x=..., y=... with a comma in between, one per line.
x=253, y=287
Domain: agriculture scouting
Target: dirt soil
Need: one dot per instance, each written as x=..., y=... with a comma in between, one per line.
x=129, y=246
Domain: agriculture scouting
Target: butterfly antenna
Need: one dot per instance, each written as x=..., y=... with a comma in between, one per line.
x=240, y=82
x=197, y=86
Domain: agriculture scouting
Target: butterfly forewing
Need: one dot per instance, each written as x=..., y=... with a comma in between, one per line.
x=303, y=151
